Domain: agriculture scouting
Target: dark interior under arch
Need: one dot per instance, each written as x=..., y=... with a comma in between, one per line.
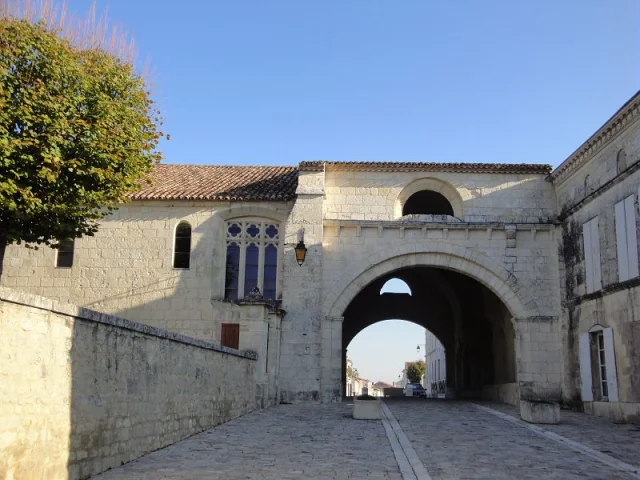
x=427, y=202
x=471, y=322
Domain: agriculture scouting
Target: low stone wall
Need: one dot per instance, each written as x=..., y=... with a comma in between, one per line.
x=81, y=392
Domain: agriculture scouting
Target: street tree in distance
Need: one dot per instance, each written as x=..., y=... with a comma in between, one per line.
x=78, y=127
x=415, y=371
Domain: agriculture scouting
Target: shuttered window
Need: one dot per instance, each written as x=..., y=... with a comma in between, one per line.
x=230, y=335
x=591, y=239
x=598, y=372
x=626, y=239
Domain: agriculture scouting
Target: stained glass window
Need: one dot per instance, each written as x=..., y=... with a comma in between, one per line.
x=232, y=271
x=251, y=268
x=252, y=259
x=270, y=271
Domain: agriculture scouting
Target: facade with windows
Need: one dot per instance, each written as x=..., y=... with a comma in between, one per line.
x=435, y=366
x=528, y=278
x=598, y=189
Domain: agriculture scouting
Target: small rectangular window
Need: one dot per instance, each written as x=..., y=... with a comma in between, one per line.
x=64, y=257
x=230, y=335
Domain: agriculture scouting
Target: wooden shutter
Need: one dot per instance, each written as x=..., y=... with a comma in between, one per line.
x=610, y=361
x=632, y=240
x=588, y=258
x=230, y=336
x=585, y=368
x=595, y=255
x=621, y=242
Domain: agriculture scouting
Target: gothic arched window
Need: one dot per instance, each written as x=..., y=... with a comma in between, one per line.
x=252, y=258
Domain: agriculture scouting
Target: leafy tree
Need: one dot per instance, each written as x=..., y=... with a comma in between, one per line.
x=352, y=373
x=415, y=371
x=78, y=128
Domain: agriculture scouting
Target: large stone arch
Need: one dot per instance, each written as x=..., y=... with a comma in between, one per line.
x=434, y=184
x=460, y=259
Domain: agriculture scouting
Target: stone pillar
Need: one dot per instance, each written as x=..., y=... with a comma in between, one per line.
x=331, y=359
x=260, y=332
x=300, y=370
x=539, y=358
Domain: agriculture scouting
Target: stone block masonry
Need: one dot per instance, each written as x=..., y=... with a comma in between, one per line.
x=82, y=392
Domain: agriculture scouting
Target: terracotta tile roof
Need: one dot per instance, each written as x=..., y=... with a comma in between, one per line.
x=264, y=183
x=501, y=168
x=215, y=182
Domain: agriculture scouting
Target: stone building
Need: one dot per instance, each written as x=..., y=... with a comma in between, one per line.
x=598, y=188
x=435, y=366
x=526, y=276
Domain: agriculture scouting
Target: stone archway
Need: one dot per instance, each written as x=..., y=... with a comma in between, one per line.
x=475, y=327
x=499, y=284
x=446, y=256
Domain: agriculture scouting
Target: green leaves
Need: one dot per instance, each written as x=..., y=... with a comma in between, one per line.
x=78, y=131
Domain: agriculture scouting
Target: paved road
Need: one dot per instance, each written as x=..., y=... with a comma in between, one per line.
x=456, y=440
x=283, y=442
x=452, y=440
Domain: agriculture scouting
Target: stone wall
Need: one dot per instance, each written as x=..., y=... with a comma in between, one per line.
x=126, y=268
x=81, y=392
x=485, y=197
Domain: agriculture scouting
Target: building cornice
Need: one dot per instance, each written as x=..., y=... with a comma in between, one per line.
x=486, y=168
x=620, y=121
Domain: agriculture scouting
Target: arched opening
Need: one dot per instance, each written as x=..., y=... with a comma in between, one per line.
x=377, y=356
x=472, y=324
x=621, y=161
x=427, y=202
x=182, y=246
x=395, y=285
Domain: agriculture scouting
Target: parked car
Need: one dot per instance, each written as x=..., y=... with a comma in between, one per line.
x=415, y=390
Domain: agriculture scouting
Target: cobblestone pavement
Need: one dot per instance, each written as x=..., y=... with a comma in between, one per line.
x=453, y=440
x=283, y=442
x=621, y=441
x=456, y=440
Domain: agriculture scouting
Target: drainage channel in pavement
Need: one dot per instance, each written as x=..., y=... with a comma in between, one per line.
x=410, y=465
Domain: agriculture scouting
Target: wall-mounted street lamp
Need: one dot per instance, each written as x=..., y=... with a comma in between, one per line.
x=301, y=250
x=418, y=347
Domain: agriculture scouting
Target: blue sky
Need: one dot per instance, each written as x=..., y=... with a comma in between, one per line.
x=248, y=82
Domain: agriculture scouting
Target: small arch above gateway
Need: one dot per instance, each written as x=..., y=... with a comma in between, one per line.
x=429, y=196
x=395, y=285
x=427, y=202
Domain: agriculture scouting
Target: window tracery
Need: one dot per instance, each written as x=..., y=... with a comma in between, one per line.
x=252, y=258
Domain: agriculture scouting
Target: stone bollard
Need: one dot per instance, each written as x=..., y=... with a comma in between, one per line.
x=533, y=411
x=366, y=407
